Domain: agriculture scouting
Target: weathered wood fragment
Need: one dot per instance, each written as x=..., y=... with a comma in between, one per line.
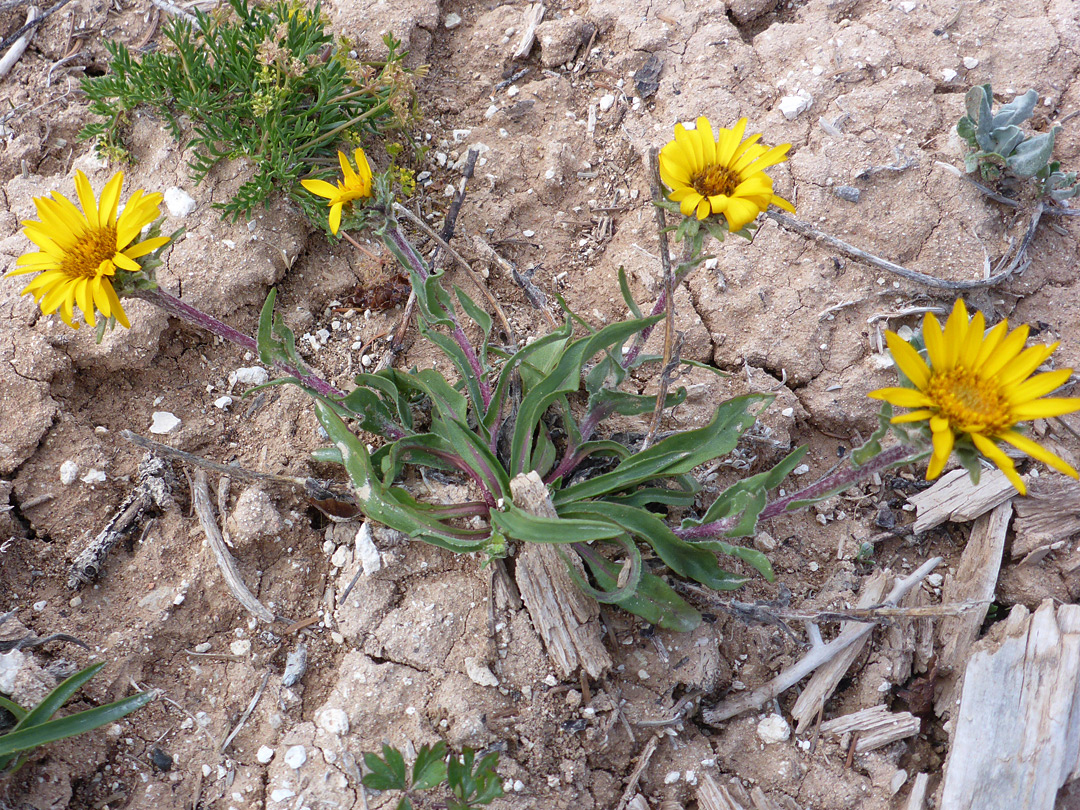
x=917, y=797
x=568, y=621
x=975, y=580
x=711, y=796
x=533, y=15
x=955, y=498
x=1017, y=733
x=824, y=681
x=1048, y=515
x=877, y=727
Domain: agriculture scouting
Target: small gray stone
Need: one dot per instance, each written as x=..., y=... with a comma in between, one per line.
x=560, y=39
x=849, y=193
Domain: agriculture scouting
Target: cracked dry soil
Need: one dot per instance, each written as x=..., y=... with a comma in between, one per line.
x=561, y=190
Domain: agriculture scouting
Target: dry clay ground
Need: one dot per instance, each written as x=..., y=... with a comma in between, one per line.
x=560, y=187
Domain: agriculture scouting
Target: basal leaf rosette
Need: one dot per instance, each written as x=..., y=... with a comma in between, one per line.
x=723, y=174
x=974, y=388
x=82, y=253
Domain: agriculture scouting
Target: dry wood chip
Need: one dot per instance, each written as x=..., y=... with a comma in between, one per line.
x=1017, y=733
x=955, y=498
x=1050, y=513
x=877, y=727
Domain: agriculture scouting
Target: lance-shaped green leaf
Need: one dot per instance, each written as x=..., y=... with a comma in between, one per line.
x=627, y=404
x=1033, y=154
x=1016, y=111
x=676, y=454
x=564, y=379
x=531, y=360
x=629, y=573
x=685, y=559
x=746, y=498
x=384, y=382
x=520, y=525
x=390, y=506
x=628, y=297
x=654, y=600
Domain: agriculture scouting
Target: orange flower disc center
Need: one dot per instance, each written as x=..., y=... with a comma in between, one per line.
x=969, y=402
x=84, y=258
x=714, y=180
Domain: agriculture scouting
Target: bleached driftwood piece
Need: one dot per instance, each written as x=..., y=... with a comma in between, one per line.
x=955, y=498
x=533, y=15
x=200, y=496
x=567, y=620
x=17, y=49
x=817, y=656
x=1017, y=734
x=824, y=681
x=877, y=727
x=917, y=797
x=711, y=796
x=975, y=580
x=1048, y=515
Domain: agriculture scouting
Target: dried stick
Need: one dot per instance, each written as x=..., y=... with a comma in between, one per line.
x=804, y=229
x=32, y=23
x=19, y=47
x=635, y=777
x=670, y=360
x=176, y=11
x=815, y=658
x=152, y=490
x=247, y=712
x=200, y=492
x=1051, y=210
x=533, y=293
x=479, y=282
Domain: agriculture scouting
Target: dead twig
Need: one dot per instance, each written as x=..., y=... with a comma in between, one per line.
x=814, y=658
x=200, y=492
x=176, y=11
x=669, y=294
x=534, y=294
x=152, y=490
x=33, y=24
x=18, y=47
x=247, y=712
x=804, y=229
x=643, y=762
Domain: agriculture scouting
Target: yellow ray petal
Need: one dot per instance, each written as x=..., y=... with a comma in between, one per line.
x=1010, y=347
x=955, y=332
x=1045, y=408
x=320, y=187
x=902, y=397
x=908, y=360
x=335, y=218
x=1040, y=385
x=998, y=457
x=935, y=342
x=969, y=352
x=86, y=197
x=1037, y=451
x=708, y=141
x=1022, y=366
x=110, y=199
x=990, y=343
x=943, y=440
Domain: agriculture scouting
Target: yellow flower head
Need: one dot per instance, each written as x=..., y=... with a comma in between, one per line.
x=978, y=385
x=725, y=175
x=80, y=250
x=354, y=186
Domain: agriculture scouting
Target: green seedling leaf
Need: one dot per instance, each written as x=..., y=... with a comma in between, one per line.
x=629, y=575
x=1016, y=111
x=33, y=735
x=633, y=404
x=686, y=559
x=628, y=297
x=1033, y=154
x=429, y=770
x=387, y=772
x=1006, y=139
x=16, y=711
x=872, y=446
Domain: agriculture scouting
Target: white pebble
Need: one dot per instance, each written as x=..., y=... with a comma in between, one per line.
x=907, y=7
x=794, y=106
x=802, y=469
x=179, y=202
x=203, y=647
x=773, y=729
x=461, y=134
x=970, y=62
x=240, y=647
x=75, y=601
x=935, y=580
x=40, y=606
x=788, y=412
x=164, y=422
x=223, y=403
x=264, y=754
x=251, y=375
x=69, y=472
x=366, y=551
x=281, y=794
x=452, y=21
x=672, y=777
x=948, y=74
x=607, y=101
x=479, y=673
x=341, y=557
x=295, y=757
x=333, y=721
x=93, y=477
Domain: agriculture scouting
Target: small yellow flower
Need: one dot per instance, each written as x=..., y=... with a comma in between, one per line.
x=725, y=175
x=354, y=186
x=80, y=250
x=978, y=384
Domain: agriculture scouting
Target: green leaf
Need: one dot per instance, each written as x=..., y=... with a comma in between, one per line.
x=872, y=446
x=387, y=773
x=630, y=575
x=33, y=735
x=17, y=711
x=525, y=361
x=628, y=297
x=264, y=339
x=686, y=559
x=429, y=769
x=676, y=454
x=404, y=804
x=1016, y=111
x=520, y=525
x=1033, y=154
x=654, y=601
x=564, y=379
x=633, y=404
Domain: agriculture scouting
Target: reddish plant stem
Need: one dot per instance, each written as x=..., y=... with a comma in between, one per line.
x=177, y=308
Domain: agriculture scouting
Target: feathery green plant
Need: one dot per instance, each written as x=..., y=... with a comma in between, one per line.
x=264, y=82
x=471, y=783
